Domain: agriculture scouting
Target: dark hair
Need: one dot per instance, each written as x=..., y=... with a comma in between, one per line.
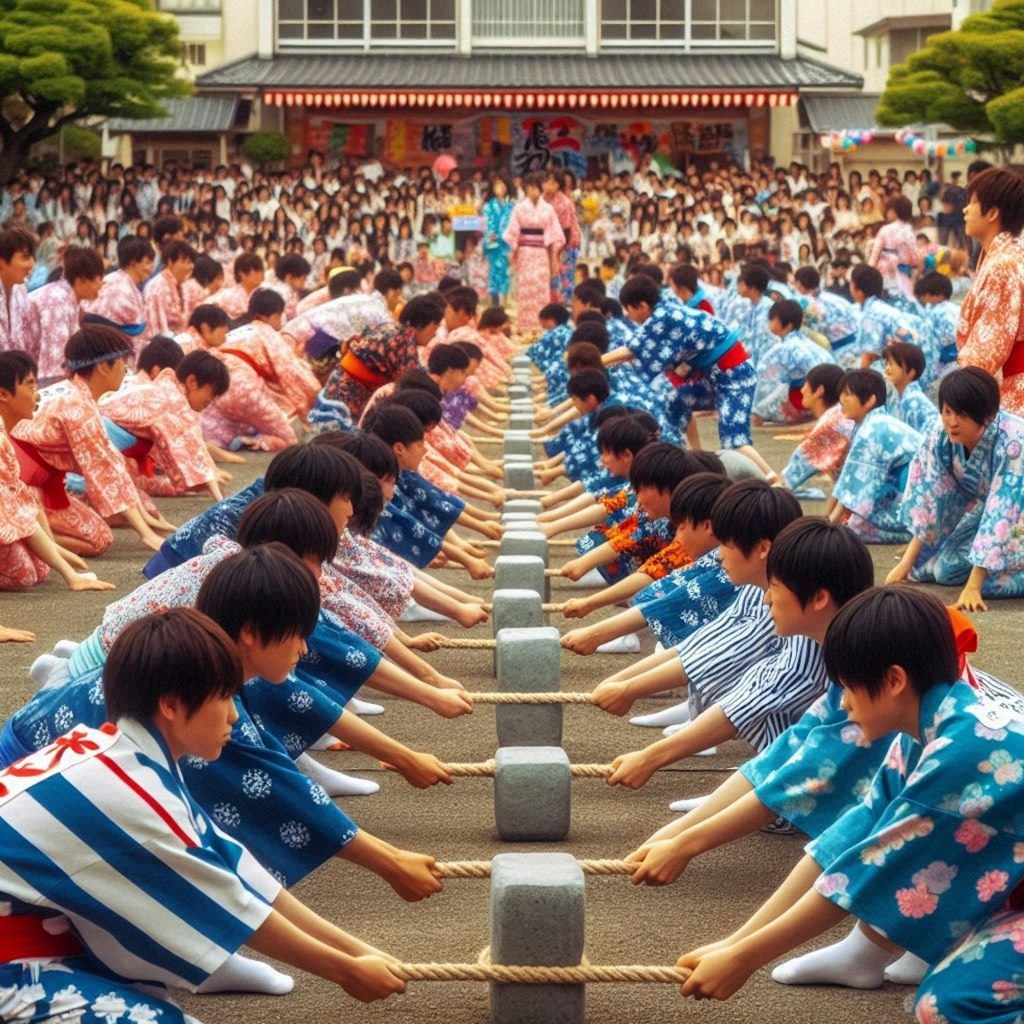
x=161, y=352
x=265, y=303
x=417, y=378
x=589, y=383
x=14, y=240
x=82, y=264
x=344, y=282
x=651, y=270
x=366, y=513
x=208, y=315
x=206, y=369
x=165, y=226
x=177, y=250
x=934, y=283
x=425, y=406
x=788, y=312
x=756, y=277
x=463, y=299
x=905, y=355
x=590, y=292
x=1003, y=189
x=812, y=554
x=694, y=497
x=609, y=413
x=867, y=280
x=752, y=511
x=292, y=264
x=492, y=316
x=206, y=270
x=709, y=462
x=94, y=344
x=582, y=355
x=266, y=588
x=370, y=451
x=638, y=290
x=889, y=626
x=294, y=518
x=443, y=358
x=395, y=424
x=15, y=367
x=972, y=392
x=132, y=249
x=808, y=277
x=684, y=275
x=178, y=653
x=611, y=308
x=324, y=473
x=901, y=206
x=421, y=311
x=554, y=311
x=591, y=331
x=662, y=466
x=827, y=376
x=623, y=434
x=246, y=263
x=864, y=384
x=471, y=348
x=387, y=280
x=447, y=283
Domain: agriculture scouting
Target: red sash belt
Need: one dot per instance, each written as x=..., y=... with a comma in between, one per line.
x=248, y=360
x=140, y=453
x=734, y=357
x=1015, y=364
x=23, y=937
x=36, y=472
x=358, y=370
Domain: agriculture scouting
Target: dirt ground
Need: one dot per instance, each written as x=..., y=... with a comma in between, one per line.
x=624, y=924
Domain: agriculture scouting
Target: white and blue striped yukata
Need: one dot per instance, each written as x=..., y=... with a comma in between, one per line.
x=98, y=828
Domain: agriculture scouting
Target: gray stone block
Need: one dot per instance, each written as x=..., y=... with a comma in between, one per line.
x=521, y=421
x=510, y=518
x=518, y=391
x=532, y=788
x=523, y=540
x=537, y=919
x=519, y=476
x=523, y=505
x=520, y=572
x=528, y=661
x=521, y=363
x=515, y=609
x=518, y=443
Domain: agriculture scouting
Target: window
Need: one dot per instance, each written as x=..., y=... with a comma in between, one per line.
x=687, y=22
x=526, y=21
x=905, y=41
x=194, y=54
x=347, y=21
x=412, y=19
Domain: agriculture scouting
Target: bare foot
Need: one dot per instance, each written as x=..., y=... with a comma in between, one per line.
x=16, y=636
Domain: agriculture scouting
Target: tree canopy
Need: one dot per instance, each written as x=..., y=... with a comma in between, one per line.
x=66, y=60
x=971, y=79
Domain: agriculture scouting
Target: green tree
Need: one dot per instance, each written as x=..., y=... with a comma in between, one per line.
x=971, y=79
x=62, y=61
x=264, y=148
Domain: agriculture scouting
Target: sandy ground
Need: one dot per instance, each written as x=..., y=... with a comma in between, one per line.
x=624, y=924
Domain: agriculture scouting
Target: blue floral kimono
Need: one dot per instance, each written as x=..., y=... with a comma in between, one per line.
x=404, y=535
x=684, y=600
x=842, y=319
x=549, y=349
x=781, y=368
x=674, y=336
x=880, y=323
x=969, y=511
x=936, y=850
x=915, y=409
x=874, y=476
x=497, y=213
x=939, y=322
x=436, y=509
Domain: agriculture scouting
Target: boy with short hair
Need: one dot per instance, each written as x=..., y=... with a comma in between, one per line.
x=904, y=368
x=880, y=321
x=163, y=299
x=869, y=490
x=939, y=317
x=17, y=258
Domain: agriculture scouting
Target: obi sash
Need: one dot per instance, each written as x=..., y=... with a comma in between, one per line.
x=35, y=471
x=23, y=937
x=532, y=237
x=1015, y=364
x=248, y=360
x=358, y=370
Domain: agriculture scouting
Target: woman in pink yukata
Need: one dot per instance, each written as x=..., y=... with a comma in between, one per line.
x=269, y=383
x=67, y=436
x=120, y=299
x=536, y=239
x=27, y=548
x=164, y=414
x=894, y=252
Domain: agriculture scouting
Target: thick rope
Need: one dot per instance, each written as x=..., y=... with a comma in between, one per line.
x=558, y=606
x=569, y=697
x=467, y=643
x=542, y=975
x=487, y=770
x=482, y=868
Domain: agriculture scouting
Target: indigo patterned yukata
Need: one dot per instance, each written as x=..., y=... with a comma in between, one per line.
x=915, y=409
x=936, y=850
x=781, y=368
x=968, y=511
x=406, y=536
x=823, y=450
x=880, y=323
x=673, y=335
x=154, y=891
x=436, y=509
x=939, y=323
x=874, y=477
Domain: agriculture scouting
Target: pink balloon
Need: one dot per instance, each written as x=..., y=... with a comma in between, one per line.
x=444, y=165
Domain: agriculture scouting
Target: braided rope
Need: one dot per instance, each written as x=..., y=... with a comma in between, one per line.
x=487, y=770
x=569, y=697
x=558, y=606
x=482, y=868
x=633, y=974
x=467, y=643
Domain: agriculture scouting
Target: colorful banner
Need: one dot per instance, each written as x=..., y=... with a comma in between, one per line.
x=544, y=139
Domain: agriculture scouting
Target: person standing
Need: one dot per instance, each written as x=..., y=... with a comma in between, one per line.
x=565, y=209
x=497, y=213
x=536, y=239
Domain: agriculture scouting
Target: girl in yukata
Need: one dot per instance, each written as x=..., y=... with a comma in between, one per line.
x=67, y=436
x=931, y=858
x=869, y=492
x=965, y=496
x=894, y=252
x=497, y=213
x=824, y=448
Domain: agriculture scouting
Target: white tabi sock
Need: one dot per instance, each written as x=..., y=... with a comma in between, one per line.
x=685, y=806
x=908, y=970
x=629, y=644
x=854, y=962
x=240, y=974
x=678, y=714
x=326, y=742
x=417, y=613
x=335, y=783
x=42, y=668
x=363, y=707
x=65, y=648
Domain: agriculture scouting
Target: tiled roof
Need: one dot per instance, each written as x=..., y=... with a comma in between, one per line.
x=839, y=113
x=196, y=114
x=634, y=70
